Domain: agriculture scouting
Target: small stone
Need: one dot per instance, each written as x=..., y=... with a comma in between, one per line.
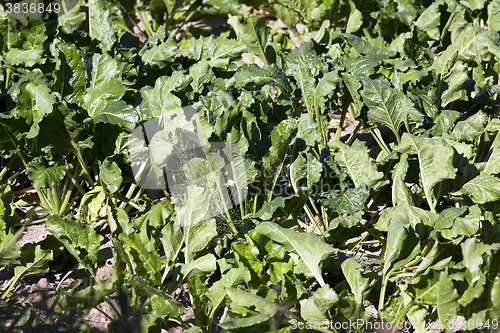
x=43, y=283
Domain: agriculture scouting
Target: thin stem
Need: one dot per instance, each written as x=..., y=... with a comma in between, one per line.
x=353, y=134
x=127, y=200
x=341, y=124
x=7, y=166
x=378, y=137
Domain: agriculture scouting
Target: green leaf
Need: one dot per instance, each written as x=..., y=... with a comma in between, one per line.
x=467, y=225
x=363, y=47
x=400, y=192
x=386, y=106
x=202, y=75
x=119, y=113
x=111, y=175
x=358, y=283
x=80, y=240
x=105, y=85
x=172, y=240
x=147, y=263
x=305, y=172
x=493, y=165
x=355, y=20
x=71, y=77
x=248, y=300
x=31, y=52
x=435, y=158
x=447, y=296
x=473, y=252
x=401, y=242
x=308, y=130
x=220, y=50
x=311, y=248
x=158, y=51
x=101, y=25
x=473, y=41
x=351, y=201
x=33, y=261
x=43, y=177
x=429, y=20
x=283, y=206
x=247, y=75
x=469, y=129
x=358, y=164
x=444, y=122
x=255, y=33
x=275, y=158
x=494, y=16
x=200, y=267
x=160, y=102
x=217, y=292
x=484, y=188
x=426, y=288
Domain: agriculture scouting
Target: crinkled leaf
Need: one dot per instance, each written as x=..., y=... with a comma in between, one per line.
x=484, y=188
x=386, y=106
x=101, y=25
x=469, y=129
x=43, y=177
x=311, y=248
x=80, y=240
x=435, y=158
x=255, y=33
x=351, y=201
x=158, y=50
x=358, y=164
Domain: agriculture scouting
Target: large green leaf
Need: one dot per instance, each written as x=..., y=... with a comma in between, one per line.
x=200, y=267
x=105, y=85
x=147, y=263
x=80, y=240
x=473, y=252
x=311, y=248
x=283, y=206
x=435, y=158
x=484, y=188
x=33, y=261
x=217, y=292
x=493, y=165
x=43, y=177
x=305, y=172
x=469, y=129
x=158, y=50
x=101, y=25
x=358, y=283
x=71, y=77
x=351, y=201
x=255, y=33
x=494, y=16
x=111, y=175
x=447, y=296
x=248, y=75
x=465, y=226
x=400, y=192
x=275, y=158
x=359, y=165
x=386, y=106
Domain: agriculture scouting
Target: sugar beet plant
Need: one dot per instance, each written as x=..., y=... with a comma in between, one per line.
x=293, y=222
